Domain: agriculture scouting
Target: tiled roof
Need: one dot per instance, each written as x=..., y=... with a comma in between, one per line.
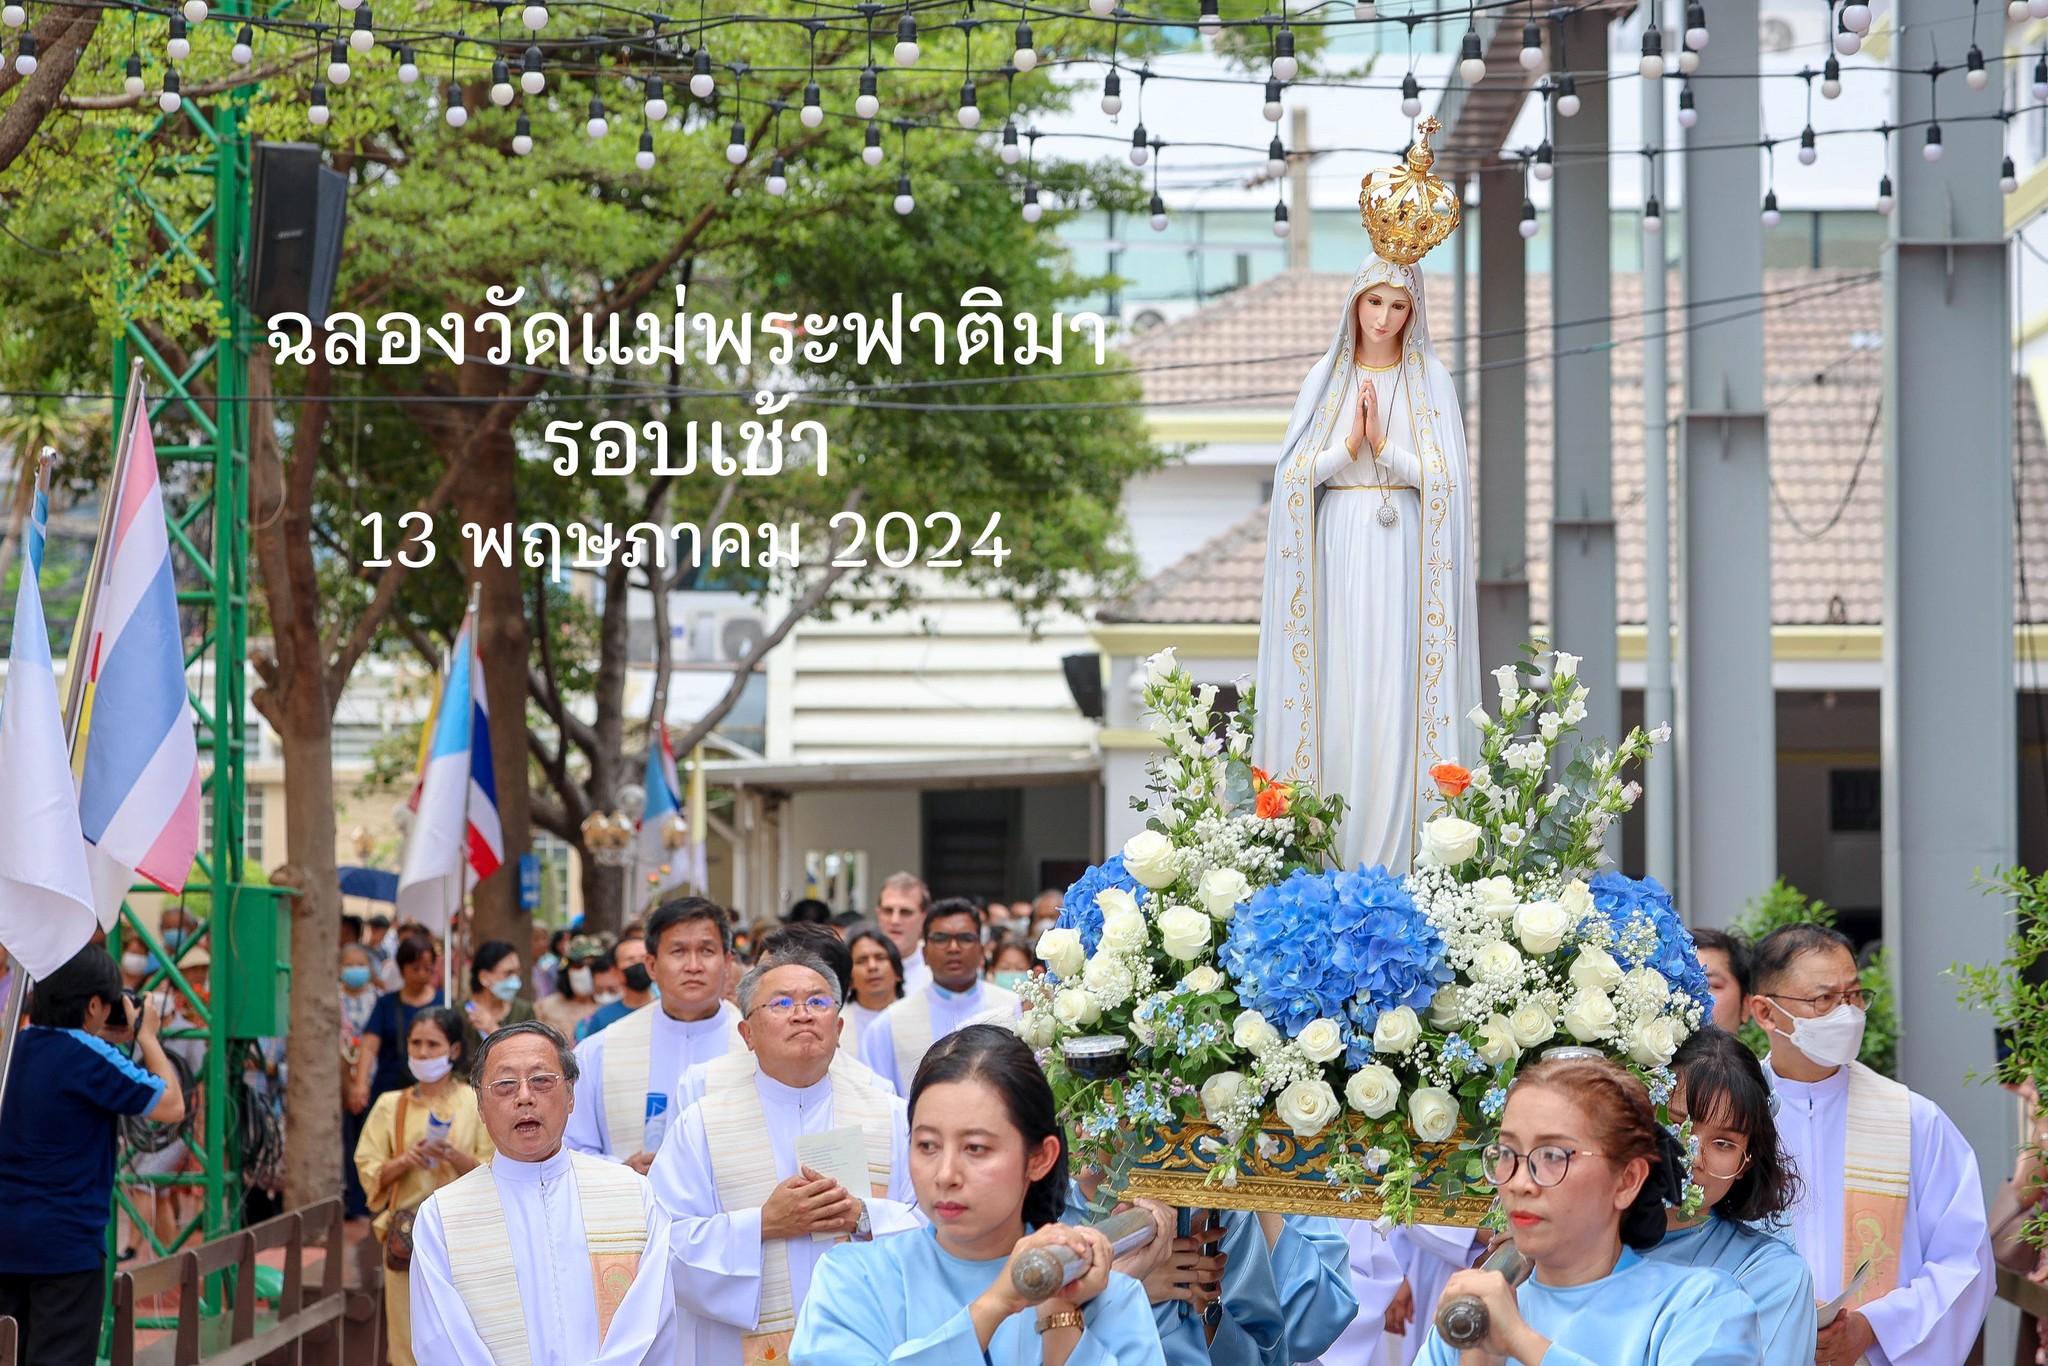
x=1824, y=374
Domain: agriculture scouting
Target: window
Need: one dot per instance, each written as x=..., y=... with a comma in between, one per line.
x=252, y=823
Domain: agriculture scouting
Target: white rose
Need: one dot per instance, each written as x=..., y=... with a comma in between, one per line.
x=1594, y=969
x=1148, y=857
x=1653, y=1043
x=1497, y=1043
x=1219, y=1093
x=1204, y=980
x=1542, y=926
x=1307, y=1106
x=1123, y=924
x=1321, y=1040
x=1648, y=986
x=1075, y=1008
x=1496, y=896
x=1447, y=1007
x=1035, y=1028
x=1589, y=1016
x=1061, y=951
x=1221, y=891
x=1253, y=1034
x=1108, y=980
x=1396, y=1031
x=1531, y=1024
x=1577, y=900
x=1433, y=1114
x=1372, y=1090
x=1447, y=841
x=1184, y=933
x=1499, y=960
x=1161, y=667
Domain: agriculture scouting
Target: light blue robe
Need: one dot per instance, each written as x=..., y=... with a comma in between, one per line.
x=905, y=1299
x=1639, y=1314
x=1282, y=1305
x=1769, y=1270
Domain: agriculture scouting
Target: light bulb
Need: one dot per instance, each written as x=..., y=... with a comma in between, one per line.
x=458, y=113
x=1365, y=11
x=1831, y=78
x=1567, y=96
x=1276, y=158
x=1932, y=151
x=906, y=45
x=1696, y=26
x=25, y=60
x=1856, y=17
x=317, y=112
x=1211, y=21
x=2008, y=178
x=778, y=178
x=408, y=70
x=813, y=112
x=736, y=150
x=1025, y=57
x=1113, y=94
x=1688, y=61
x=531, y=78
x=1653, y=216
x=337, y=64
x=1011, y=152
x=656, y=107
x=535, y=17
x=904, y=202
x=597, y=125
x=868, y=105
x=362, y=37
x=1847, y=43
x=1158, y=213
x=1532, y=47
x=1808, y=153
x=132, y=81
x=348, y=4
x=196, y=11
x=1771, y=215
x=2037, y=9
x=2040, y=84
x=170, y=101
x=14, y=16
x=1527, y=227
x=1141, y=151
x=1974, y=75
x=644, y=158
x=1687, y=114
x=1273, y=110
x=1884, y=194
x=1411, y=96
x=1284, y=64
x=701, y=83
x=522, y=136
x=1651, y=67
x=1546, y=161
x=872, y=152
x=1471, y=59
x=179, y=47
x=1032, y=209
x=1281, y=227
x=1102, y=9
x=970, y=112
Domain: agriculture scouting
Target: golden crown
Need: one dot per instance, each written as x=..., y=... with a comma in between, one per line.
x=1405, y=209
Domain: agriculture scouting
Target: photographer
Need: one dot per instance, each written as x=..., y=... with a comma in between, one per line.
x=67, y=1090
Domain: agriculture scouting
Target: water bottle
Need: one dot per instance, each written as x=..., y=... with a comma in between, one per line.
x=438, y=1130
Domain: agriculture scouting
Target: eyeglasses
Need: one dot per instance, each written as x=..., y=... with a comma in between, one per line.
x=940, y=941
x=1548, y=1163
x=540, y=1084
x=1723, y=1159
x=1855, y=996
x=784, y=1006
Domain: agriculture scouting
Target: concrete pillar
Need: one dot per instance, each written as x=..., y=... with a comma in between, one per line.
x=1582, y=605
x=1948, y=710
x=1727, y=739
x=1503, y=411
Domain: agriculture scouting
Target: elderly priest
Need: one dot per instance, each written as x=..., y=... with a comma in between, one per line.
x=545, y=1256
x=753, y=1217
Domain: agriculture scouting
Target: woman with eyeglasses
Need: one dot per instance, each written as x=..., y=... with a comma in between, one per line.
x=1584, y=1173
x=416, y=1140
x=1748, y=1183
x=989, y=1163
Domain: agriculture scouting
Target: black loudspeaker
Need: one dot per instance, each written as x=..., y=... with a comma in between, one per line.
x=1084, y=681
x=296, y=213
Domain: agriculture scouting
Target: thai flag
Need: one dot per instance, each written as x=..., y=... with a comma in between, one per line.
x=137, y=754
x=46, y=893
x=659, y=864
x=455, y=838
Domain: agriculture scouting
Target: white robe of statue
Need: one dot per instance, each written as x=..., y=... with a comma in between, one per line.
x=1368, y=641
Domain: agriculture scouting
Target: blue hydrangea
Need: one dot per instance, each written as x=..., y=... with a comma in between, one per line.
x=1343, y=946
x=1079, y=912
x=1626, y=901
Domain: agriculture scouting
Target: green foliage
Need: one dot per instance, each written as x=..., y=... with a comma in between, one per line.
x=2014, y=990
x=1784, y=905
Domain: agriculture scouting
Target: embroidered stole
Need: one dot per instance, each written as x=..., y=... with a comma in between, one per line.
x=910, y=1023
x=628, y=1058
x=1876, y=1168
x=480, y=1250
x=743, y=1169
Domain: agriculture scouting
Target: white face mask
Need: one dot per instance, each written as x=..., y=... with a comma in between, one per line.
x=609, y=998
x=135, y=964
x=1830, y=1040
x=580, y=981
x=430, y=1070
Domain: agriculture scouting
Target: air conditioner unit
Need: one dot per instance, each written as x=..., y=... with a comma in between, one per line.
x=725, y=637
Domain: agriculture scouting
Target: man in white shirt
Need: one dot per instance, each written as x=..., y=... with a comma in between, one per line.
x=900, y=913
x=752, y=1218
x=631, y=1068
x=543, y=1255
x=1885, y=1176
x=895, y=1041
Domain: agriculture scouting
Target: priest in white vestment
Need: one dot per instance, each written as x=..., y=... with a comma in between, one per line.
x=895, y=1041
x=1885, y=1176
x=753, y=1214
x=544, y=1256
x=630, y=1070
x=900, y=912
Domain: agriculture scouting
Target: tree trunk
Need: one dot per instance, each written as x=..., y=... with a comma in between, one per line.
x=313, y=1119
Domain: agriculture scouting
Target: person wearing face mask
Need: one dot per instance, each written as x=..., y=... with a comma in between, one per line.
x=1886, y=1176
x=575, y=998
x=1010, y=964
x=493, y=993
x=630, y=958
x=416, y=1140
x=380, y=1065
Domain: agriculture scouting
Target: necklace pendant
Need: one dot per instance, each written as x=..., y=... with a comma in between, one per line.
x=1387, y=514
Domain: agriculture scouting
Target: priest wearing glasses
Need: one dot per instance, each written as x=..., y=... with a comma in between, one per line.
x=544, y=1256
x=895, y=1042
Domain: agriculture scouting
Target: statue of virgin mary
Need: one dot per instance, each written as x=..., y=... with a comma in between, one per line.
x=1368, y=644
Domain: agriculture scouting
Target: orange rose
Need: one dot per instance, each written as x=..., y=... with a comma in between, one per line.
x=1451, y=779
x=1272, y=801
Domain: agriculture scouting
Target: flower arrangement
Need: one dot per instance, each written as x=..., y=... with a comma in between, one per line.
x=1369, y=1020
